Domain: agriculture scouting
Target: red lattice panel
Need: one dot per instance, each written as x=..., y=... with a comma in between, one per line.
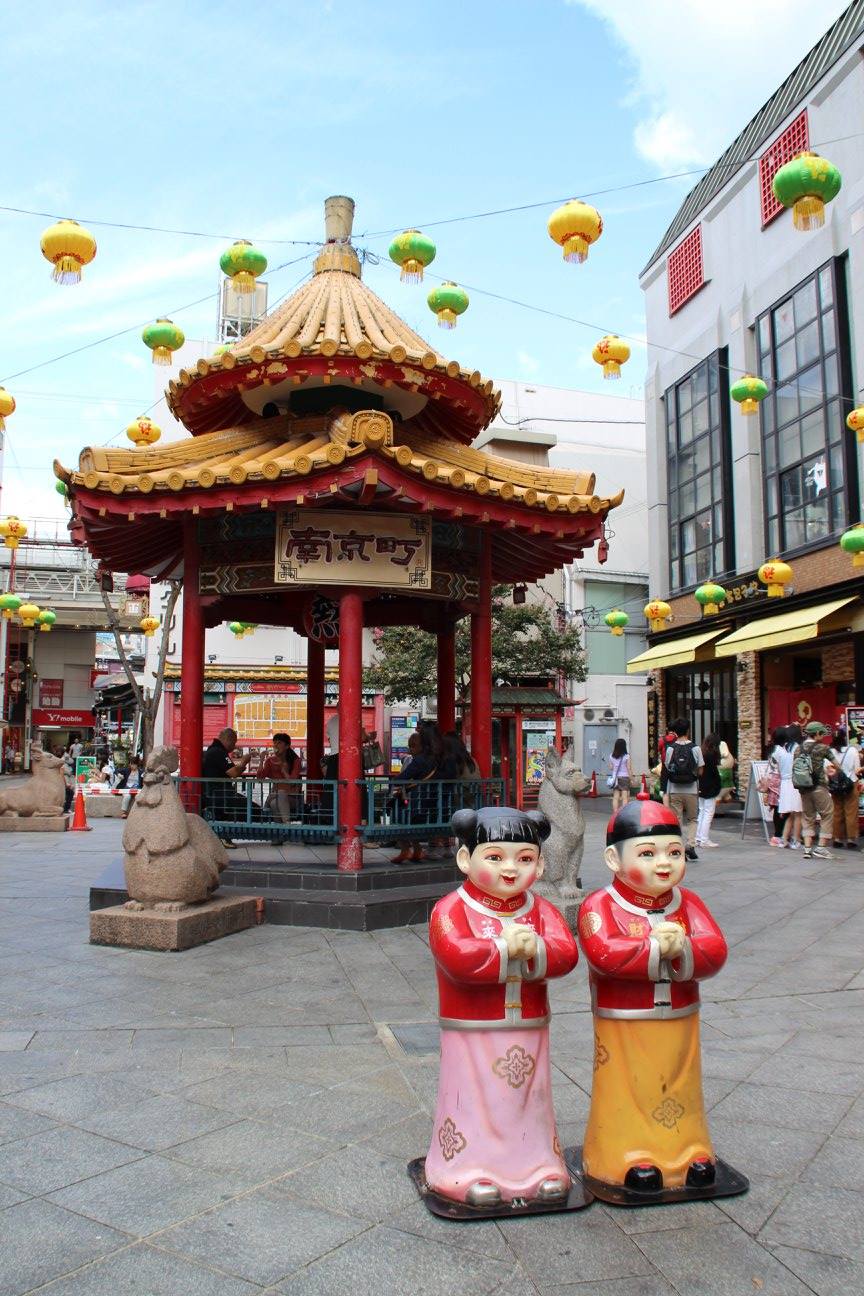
x=794, y=139
x=685, y=273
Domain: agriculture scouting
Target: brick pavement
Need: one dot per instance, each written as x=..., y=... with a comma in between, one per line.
x=237, y=1119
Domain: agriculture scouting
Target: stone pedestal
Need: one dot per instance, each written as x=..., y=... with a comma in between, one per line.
x=154, y=929
x=48, y=823
x=103, y=807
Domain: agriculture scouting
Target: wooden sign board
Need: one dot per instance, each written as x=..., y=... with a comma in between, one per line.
x=385, y=550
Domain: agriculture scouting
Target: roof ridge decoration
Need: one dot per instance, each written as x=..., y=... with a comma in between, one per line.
x=830, y=47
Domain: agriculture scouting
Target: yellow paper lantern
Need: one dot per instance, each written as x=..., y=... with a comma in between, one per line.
x=776, y=575
x=143, y=431
x=657, y=613
x=29, y=614
x=574, y=227
x=7, y=406
x=69, y=247
x=149, y=624
x=854, y=421
x=13, y=531
x=611, y=353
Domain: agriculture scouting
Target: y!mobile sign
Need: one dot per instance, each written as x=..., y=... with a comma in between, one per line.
x=46, y=718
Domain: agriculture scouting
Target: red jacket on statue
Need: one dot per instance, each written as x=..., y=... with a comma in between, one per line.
x=629, y=979
x=476, y=981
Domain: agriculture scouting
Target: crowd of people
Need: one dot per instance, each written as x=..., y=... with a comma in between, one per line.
x=811, y=788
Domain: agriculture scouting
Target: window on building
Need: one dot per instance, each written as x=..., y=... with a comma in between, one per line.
x=609, y=654
x=685, y=272
x=707, y=695
x=804, y=437
x=795, y=139
x=697, y=447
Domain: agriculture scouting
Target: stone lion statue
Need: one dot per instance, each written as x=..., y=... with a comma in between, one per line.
x=562, y=784
x=171, y=858
x=44, y=793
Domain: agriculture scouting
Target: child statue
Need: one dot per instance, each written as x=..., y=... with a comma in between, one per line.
x=495, y=944
x=648, y=944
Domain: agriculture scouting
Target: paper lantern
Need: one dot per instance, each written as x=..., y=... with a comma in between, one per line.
x=616, y=621
x=574, y=227
x=13, y=531
x=61, y=488
x=611, y=353
x=149, y=624
x=852, y=542
x=69, y=247
x=776, y=575
x=163, y=338
x=46, y=620
x=7, y=406
x=236, y=628
x=143, y=431
x=243, y=263
x=9, y=605
x=710, y=596
x=657, y=613
x=412, y=251
x=28, y=614
x=748, y=392
x=855, y=422
x=806, y=184
x=447, y=302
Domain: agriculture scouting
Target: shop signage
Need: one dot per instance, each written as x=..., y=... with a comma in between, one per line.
x=855, y=723
x=342, y=548
x=653, y=732
x=50, y=692
x=51, y=717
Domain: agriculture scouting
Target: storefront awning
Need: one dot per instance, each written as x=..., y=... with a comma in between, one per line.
x=781, y=631
x=672, y=652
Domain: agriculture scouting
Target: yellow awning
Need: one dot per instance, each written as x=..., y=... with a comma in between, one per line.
x=671, y=653
x=780, y=631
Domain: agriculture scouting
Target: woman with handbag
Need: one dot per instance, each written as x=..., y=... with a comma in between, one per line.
x=412, y=798
x=709, y=789
x=619, y=776
x=843, y=786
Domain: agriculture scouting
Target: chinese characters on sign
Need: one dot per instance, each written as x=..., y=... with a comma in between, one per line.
x=50, y=692
x=314, y=548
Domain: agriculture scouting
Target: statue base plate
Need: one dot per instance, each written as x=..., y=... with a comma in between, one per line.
x=154, y=929
x=727, y=1183
x=578, y=1198
x=33, y=823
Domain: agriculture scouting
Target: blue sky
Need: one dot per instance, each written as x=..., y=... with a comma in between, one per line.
x=212, y=118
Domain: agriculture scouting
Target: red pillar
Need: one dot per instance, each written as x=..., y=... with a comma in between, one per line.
x=447, y=677
x=314, y=708
x=481, y=663
x=192, y=662
x=350, y=853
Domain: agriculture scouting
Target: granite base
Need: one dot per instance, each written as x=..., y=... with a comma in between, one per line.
x=33, y=823
x=154, y=929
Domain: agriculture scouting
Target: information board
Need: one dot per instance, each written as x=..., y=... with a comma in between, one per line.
x=754, y=804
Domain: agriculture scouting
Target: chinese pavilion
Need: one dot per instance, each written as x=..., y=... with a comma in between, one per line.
x=329, y=484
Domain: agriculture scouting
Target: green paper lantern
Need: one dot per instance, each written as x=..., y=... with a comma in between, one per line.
x=710, y=596
x=412, y=251
x=616, y=621
x=236, y=628
x=447, y=302
x=748, y=392
x=46, y=619
x=852, y=542
x=243, y=263
x=9, y=605
x=806, y=184
x=163, y=338
x=61, y=488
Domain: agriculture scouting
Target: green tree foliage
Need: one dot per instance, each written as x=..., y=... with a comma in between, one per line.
x=526, y=642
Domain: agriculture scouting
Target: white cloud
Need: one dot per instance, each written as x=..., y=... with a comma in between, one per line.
x=529, y=364
x=700, y=69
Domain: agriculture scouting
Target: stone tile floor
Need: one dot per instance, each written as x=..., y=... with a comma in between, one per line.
x=237, y=1119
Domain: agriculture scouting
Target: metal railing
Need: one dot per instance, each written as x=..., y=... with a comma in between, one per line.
x=255, y=809
x=397, y=811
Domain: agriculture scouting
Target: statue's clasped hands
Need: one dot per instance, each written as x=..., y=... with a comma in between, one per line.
x=521, y=942
x=670, y=937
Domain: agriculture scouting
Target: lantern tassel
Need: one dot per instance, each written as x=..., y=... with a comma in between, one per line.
x=161, y=355
x=67, y=270
x=243, y=282
x=859, y=435
x=808, y=213
x=575, y=249
x=857, y=561
x=3, y=425
x=749, y=406
x=611, y=369
x=616, y=630
x=412, y=271
x=447, y=318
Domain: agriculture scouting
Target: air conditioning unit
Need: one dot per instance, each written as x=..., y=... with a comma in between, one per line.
x=609, y=714
x=588, y=713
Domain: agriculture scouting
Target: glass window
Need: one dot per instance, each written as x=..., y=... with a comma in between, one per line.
x=697, y=440
x=804, y=462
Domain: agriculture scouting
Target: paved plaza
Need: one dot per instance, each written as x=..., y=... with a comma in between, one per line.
x=238, y=1118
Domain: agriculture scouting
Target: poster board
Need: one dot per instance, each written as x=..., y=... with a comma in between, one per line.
x=855, y=724
x=401, y=729
x=754, y=806
x=84, y=766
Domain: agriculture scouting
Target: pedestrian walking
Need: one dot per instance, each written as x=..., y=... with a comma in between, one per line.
x=843, y=786
x=684, y=766
x=810, y=778
x=620, y=775
x=709, y=790
x=790, y=797
x=769, y=786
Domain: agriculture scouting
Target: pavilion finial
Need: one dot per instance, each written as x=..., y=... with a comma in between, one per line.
x=337, y=252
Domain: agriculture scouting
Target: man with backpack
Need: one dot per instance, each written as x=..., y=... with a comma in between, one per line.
x=684, y=764
x=810, y=777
